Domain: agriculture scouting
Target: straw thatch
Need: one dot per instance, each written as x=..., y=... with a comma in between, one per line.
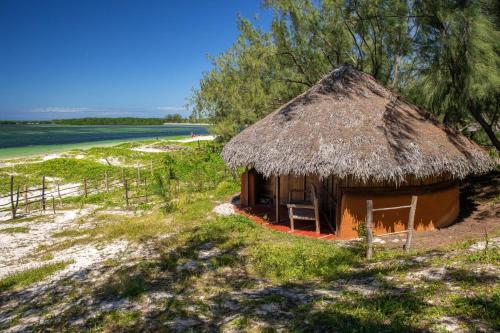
x=348, y=124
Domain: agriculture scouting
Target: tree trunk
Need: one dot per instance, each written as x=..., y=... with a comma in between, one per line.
x=484, y=124
x=396, y=72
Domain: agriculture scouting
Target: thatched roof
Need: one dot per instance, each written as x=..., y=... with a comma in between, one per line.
x=348, y=124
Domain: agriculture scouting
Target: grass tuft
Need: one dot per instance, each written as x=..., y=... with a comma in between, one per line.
x=14, y=230
x=30, y=276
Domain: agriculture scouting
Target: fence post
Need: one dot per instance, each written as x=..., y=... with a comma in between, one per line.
x=13, y=211
x=369, y=232
x=17, y=196
x=59, y=192
x=12, y=204
x=411, y=220
x=85, y=187
x=106, y=180
x=138, y=180
x=26, y=198
x=126, y=191
x=146, y=189
x=43, y=193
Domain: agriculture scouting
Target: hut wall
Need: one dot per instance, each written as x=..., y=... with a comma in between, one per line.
x=437, y=206
x=295, y=183
x=289, y=182
x=410, y=181
x=254, y=187
x=248, y=194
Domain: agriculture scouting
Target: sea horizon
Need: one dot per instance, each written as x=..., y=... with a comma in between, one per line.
x=32, y=140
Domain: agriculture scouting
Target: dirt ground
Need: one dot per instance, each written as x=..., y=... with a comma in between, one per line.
x=479, y=216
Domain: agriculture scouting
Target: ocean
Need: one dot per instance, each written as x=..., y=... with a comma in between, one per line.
x=22, y=140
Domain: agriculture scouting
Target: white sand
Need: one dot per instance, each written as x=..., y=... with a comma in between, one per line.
x=15, y=246
x=196, y=138
x=51, y=157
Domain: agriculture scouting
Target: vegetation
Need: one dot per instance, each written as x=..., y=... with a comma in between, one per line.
x=14, y=230
x=28, y=277
x=171, y=118
x=444, y=56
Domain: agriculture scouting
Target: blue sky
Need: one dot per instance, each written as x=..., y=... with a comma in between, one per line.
x=110, y=58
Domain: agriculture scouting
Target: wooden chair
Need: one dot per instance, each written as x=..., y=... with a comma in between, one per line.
x=303, y=210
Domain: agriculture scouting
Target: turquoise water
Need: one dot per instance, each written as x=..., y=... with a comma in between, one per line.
x=22, y=140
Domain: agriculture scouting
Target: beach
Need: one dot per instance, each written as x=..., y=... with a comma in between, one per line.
x=33, y=140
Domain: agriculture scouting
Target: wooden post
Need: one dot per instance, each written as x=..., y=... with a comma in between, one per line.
x=85, y=189
x=59, y=192
x=146, y=189
x=126, y=191
x=369, y=234
x=138, y=177
x=277, y=195
x=106, y=180
x=411, y=221
x=17, y=197
x=43, y=193
x=247, y=175
x=13, y=211
x=123, y=175
x=26, y=198
x=305, y=188
x=53, y=205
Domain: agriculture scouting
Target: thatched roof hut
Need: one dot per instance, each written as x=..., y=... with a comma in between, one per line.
x=356, y=140
x=348, y=124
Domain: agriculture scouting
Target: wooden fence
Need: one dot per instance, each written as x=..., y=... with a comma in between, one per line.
x=369, y=224
x=23, y=196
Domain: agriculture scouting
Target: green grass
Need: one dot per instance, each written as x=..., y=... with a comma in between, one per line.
x=20, y=220
x=28, y=277
x=14, y=230
x=116, y=320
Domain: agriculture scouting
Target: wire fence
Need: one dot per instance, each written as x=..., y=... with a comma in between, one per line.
x=29, y=199
x=136, y=183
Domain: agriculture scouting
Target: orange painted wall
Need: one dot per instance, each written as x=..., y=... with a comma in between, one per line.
x=436, y=208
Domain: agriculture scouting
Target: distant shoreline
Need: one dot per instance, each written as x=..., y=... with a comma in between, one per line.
x=41, y=150
x=175, y=119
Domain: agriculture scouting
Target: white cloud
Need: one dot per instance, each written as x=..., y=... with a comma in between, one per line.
x=76, y=112
x=58, y=109
x=171, y=108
